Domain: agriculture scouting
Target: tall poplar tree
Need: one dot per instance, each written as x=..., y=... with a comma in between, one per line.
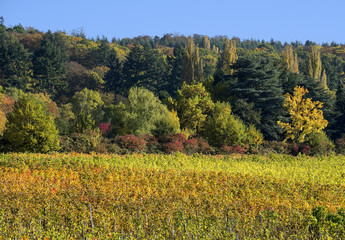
x=290, y=59
x=229, y=57
x=206, y=42
x=192, y=70
x=314, y=66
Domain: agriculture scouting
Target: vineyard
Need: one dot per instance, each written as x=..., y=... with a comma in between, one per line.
x=79, y=196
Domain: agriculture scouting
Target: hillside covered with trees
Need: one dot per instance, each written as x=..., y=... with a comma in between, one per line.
x=61, y=92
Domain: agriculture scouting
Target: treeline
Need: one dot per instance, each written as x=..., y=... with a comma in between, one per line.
x=170, y=93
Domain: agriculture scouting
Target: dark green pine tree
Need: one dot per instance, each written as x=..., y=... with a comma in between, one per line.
x=14, y=61
x=49, y=63
x=340, y=108
x=144, y=68
x=318, y=93
x=102, y=54
x=134, y=68
x=114, y=77
x=258, y=84
x=175, y=64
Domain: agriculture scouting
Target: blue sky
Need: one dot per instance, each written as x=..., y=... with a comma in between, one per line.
x=319, y=21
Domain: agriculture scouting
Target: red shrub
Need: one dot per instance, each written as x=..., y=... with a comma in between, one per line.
x=191, y=145
x=105, y=128
x=305, y=149
x=173, y=143
x=132, y=143
x=204, y=147
x=152, y=144
x=238, y=149
x=171, y=147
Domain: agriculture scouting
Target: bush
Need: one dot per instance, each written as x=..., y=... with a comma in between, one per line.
x=152, y=144
x=173, y=143
x=131, y=143
x=320, y=144
x=197, y=144
x=340, y=146
x=223, y=128
x=105, y=128
x=85, y=142
x=191, y=146
x=226, y=149
x=279, y=147
x=204, y=147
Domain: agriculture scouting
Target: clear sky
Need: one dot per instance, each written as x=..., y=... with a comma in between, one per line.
x=319, y=21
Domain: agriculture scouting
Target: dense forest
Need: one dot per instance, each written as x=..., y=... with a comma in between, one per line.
x=66, y=92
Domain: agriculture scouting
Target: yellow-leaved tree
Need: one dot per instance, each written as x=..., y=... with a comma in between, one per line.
x=306, y=116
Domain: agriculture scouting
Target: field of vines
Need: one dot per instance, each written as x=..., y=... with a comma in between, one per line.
x=79, y=196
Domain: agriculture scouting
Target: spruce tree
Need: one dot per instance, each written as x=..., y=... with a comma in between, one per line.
x=114, y=77
x=340, y=108
x=14, y=61
x=143, y=68
x=49, y=63
x=175, y=63
x=258, y=83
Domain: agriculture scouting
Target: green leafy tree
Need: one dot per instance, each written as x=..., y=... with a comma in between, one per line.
x=224, y=128
x=193, y=104
x=78, y=78
x=143, y=114
x=30, y=128
x=306, y=116
x=87, y=107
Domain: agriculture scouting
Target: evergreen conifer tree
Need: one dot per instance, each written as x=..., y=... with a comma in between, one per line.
x=258, y=83
x=49, y=63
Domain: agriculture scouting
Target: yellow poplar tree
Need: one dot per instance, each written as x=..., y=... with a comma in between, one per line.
x=229, y=56
x=290, y=59
x=206, y=43
x=324, y=79
x=314, y=65
x=306, y=116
